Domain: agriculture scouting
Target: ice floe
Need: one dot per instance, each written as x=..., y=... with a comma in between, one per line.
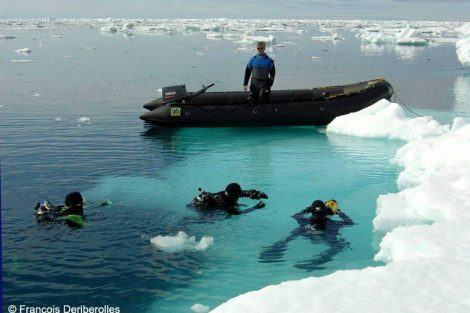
x=410, y=37
x=23, y=51
x=406, y=36
x=84, y=120
x=332, y=37
x=23, y=61
x=386, y=120
x=463, y=45
x=181, y=242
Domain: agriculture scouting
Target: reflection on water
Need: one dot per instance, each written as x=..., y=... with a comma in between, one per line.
x=404, y=53
x=462, y=94
x=408, y=53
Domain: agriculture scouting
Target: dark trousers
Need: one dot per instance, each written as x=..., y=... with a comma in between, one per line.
x=259, y=90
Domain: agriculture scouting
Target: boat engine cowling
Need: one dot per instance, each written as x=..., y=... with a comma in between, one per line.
x=174, y=93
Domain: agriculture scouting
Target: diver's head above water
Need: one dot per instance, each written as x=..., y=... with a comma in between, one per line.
x=232, y=192
x=318, y=207
x=74, y=203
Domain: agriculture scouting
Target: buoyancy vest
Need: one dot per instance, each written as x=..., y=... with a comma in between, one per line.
x=260, y=66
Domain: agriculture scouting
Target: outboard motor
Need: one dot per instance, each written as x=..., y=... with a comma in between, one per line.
x=174, y=93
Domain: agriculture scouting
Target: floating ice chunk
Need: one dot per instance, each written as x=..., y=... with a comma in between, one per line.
x=109, y=29
x=58, y=119
x=89, y=48
x=84, y=120
x=181, y=242
x=214, y=35
x=199, y=308
x=37, y=95
x=376, y=38
x=7, y=37
x=410, y=37
x=23, y=61
x=463, y=45
x=127, y=26
x=314, y=58
x=56, y=36
x=249, y=38
x=321, y=38
x=336, y=36
x=385, y=120
x=332, y=37
x=23, y=51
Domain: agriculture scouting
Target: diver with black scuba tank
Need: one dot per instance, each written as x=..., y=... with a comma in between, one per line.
x=227, y=200
x=71, y=212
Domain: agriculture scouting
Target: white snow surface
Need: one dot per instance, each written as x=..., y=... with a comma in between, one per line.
x=385, y=120
x=426, y=242
x=407, y=36
x=463, y=45
x=181, y=242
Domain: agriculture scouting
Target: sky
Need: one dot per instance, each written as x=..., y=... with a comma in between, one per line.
x=435, y=10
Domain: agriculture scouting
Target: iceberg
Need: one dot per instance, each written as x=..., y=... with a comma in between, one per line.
x=463, y=45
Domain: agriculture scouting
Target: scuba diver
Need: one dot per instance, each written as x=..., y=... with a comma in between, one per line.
x=262, y=71
x=71, y=212
x=227, y=200
x=313, y=225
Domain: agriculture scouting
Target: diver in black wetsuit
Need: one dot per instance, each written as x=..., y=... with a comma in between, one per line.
x=314, y=227
x=71, y=211
x=227, y=200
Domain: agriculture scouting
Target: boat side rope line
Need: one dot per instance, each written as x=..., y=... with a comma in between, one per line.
x=404, y=105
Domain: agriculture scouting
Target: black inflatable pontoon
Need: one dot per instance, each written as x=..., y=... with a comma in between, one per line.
x=302, y=107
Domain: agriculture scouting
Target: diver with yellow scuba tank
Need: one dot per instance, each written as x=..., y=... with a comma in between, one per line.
x=71, y=212
x=314, y=224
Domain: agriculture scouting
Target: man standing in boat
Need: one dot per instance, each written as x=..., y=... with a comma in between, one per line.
x=262, y=71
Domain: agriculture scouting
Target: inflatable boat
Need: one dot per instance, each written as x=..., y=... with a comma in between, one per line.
x=302, y=107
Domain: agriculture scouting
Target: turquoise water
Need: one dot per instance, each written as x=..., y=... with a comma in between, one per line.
x=149, y=175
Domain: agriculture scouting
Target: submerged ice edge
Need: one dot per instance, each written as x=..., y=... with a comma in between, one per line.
x=426, y=247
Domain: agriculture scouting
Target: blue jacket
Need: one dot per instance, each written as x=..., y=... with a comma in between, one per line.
x=261, y=66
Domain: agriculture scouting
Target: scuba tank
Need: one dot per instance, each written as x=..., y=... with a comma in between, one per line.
x=49, y=213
